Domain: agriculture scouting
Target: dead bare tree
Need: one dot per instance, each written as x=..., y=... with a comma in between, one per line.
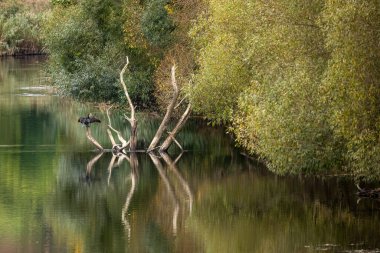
x=169, y=112
x=132, y=143
x=132, y=119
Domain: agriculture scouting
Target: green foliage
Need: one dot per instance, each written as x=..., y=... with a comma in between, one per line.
x=87, y=49
x=156, y=24
x=19, y=30
x=352, y=80
x=140, y=87
x=63, y=2
x=268, y=84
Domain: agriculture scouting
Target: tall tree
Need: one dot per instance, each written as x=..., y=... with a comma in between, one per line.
x=352, y=79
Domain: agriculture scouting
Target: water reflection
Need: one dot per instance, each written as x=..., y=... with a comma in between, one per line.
x=133, y=161
x=169, y=189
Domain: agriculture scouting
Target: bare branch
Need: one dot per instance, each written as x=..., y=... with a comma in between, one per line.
x=132, y=120
x=176, y=142
x=180, y=102
x=171, y=137
x=169, y=111
x=124, y=143
x=92, y=139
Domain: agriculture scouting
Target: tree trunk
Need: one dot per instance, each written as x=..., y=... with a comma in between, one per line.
x=171, y=137
x=132, y=120
x=133, y=137
x=169, y=111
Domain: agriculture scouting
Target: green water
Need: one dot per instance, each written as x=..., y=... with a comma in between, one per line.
x=211, y=199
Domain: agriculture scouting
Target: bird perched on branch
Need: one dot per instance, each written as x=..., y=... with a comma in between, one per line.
x=86, y=121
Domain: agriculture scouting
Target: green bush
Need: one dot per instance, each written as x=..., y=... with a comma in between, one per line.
x=87, y=51
x=20, y=31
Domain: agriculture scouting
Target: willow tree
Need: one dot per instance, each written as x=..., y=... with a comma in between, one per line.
x=261, y=66
x=352, y=79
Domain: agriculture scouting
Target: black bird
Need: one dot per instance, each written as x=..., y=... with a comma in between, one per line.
x=86, y=121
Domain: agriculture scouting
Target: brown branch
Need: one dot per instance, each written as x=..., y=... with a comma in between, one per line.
x=92, y=139
x=171, y=137
x=168, y=114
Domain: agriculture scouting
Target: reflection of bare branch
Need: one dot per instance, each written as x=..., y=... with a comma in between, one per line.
x=172, y=166
x=134, y=177
x=91, y=163
x=110, y=166
x=169, y=188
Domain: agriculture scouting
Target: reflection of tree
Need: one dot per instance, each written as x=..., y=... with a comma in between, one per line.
x=134, y=177
x=169, y=188
x=172, y=166
x=91, y=163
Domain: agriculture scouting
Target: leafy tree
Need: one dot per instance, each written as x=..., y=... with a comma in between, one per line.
x=156, y=24
x=268, y=85
x=352, y=80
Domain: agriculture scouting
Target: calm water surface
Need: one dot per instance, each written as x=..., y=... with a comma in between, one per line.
x=57, y=195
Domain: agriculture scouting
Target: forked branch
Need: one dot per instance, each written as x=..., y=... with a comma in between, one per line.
x=168, y=114
x=132, y=120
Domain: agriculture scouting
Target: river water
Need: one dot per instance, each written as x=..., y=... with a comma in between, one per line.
x=58, y=195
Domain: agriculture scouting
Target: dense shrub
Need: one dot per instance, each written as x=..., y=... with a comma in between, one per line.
x=19, y=30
